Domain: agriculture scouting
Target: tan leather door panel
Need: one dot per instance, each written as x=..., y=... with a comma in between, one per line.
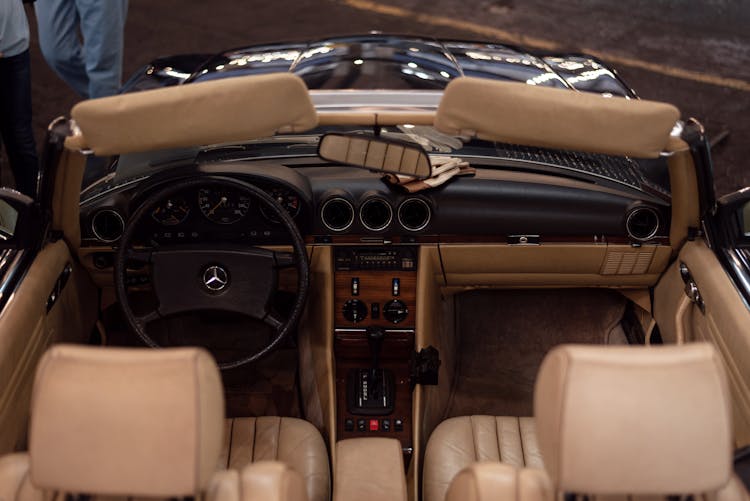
x=725, y=322
x=27, y=329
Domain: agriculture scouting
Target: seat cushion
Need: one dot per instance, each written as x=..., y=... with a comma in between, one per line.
x=294, y=442
x=460, y=441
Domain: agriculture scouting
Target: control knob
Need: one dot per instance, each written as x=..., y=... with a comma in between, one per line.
x=355, y=310
x=395, y=311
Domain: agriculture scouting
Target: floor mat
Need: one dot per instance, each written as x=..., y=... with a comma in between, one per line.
x=504, y=335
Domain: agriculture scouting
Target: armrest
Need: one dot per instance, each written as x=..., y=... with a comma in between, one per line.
x=369, y=469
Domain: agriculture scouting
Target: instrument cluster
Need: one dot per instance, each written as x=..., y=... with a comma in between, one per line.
x=206, y=214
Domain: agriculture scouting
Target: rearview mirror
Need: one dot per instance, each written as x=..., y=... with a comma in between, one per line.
x=376, y=153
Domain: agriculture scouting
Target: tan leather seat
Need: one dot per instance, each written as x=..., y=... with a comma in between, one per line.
x=458, y=442
x=294, y=442
x=636, y=421
x=487, y=481
x=621, y=423
x=133, y=422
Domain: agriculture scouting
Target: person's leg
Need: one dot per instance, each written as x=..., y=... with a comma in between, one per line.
x=57, y=21
x=15, y=121
x=103, y=26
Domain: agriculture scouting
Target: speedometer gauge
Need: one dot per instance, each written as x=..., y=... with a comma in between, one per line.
x=223, y=206
x=286, y=198
x=171, y=212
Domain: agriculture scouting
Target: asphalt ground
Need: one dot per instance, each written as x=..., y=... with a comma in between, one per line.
x=694, y=54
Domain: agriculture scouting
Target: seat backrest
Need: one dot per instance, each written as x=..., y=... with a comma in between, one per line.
x=121, y=423
x=635, y=420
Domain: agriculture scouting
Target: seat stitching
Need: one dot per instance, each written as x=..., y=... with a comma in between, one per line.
x=499, y=445
x=520, y=440
x=255, y=439
x=473, y=439
x=231, y=440
x=278, y=439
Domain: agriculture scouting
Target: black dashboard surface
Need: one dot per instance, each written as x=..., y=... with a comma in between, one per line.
x=494, y=202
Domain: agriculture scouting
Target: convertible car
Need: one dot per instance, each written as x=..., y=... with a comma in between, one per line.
x=425, y=269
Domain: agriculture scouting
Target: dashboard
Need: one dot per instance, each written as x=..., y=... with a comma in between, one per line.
x=336, y=204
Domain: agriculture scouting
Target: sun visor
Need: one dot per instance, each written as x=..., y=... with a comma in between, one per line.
x=219, y=111
x=529, y=115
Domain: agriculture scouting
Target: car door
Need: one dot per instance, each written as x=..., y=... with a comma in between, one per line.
x=45, y=297
x=705, y=296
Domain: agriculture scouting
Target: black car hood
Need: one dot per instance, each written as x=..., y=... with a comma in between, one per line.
x=387, y=62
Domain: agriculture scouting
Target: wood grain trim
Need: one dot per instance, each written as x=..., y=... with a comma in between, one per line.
x=375, y=287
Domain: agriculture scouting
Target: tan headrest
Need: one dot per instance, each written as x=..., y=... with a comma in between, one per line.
x=137, y=422
x=219, y=111
x=489, y=481
x=634, y=420
x=546, y=117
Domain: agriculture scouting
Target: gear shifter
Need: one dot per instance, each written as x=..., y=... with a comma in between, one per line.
x=371, y=391
x=375, y=336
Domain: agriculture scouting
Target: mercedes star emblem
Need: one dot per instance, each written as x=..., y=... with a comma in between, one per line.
x=215, y=278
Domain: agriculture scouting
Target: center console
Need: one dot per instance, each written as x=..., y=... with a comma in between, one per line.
x=375, y=301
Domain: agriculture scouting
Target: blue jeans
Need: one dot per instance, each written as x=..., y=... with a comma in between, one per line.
x=94, y=68
x=15, y=121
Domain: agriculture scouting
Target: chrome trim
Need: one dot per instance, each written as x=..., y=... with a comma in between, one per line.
x=375, y=100
x=115, y=188
x=362, y=330
x=414, y=199
x=93, y=226
x=372, y=200
x=10, y=267
x=740, y=267
x=650, y=235
x=351, y=220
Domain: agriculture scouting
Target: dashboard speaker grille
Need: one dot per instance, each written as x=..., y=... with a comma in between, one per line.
x=631, y=262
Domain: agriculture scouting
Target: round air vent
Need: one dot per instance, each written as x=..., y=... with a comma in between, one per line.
x=107, y=225
x=337, y=214
x=414, y=214
x=642, y=223
x=376, y=214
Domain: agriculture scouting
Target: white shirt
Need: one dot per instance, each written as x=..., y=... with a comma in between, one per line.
x=14, y=28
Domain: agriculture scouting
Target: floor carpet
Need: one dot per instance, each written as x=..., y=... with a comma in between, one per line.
x=504, y=335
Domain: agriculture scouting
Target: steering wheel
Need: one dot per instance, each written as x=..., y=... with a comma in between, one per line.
x=213, y=276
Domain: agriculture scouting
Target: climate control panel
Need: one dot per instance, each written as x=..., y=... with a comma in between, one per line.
x=375, y=286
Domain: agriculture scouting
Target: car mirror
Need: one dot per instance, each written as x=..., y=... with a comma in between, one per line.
x=8, y=220
x=376, y=153
x=19, y=221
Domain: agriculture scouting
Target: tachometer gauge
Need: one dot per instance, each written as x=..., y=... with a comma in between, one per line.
x=171, y=212
x=286, y=198
x=223, y=206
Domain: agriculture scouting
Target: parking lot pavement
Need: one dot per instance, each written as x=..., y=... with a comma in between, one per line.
x=693, y=54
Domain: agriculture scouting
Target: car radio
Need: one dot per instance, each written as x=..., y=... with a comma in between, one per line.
x=375, y=258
